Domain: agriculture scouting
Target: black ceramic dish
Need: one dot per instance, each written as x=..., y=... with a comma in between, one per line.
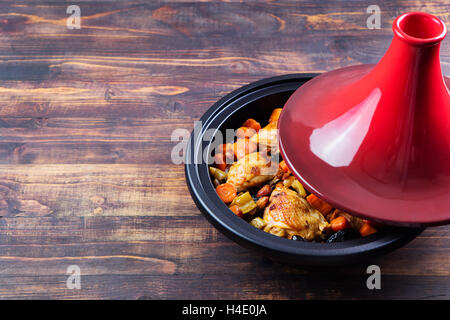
x=257, y=100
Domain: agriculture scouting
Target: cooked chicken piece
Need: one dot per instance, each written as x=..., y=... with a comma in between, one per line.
x=289, y=211
x=267, y=138
x=275, y=114
x=250, y=171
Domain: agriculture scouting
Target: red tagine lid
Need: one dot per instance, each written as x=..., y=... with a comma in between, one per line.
x=375, y=140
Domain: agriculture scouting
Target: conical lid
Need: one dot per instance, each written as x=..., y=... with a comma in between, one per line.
x=375, y=140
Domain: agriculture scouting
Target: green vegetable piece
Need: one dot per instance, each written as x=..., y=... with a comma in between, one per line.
x=245, y=202
x=218, y=174
x=297, y=186
x=258, y=223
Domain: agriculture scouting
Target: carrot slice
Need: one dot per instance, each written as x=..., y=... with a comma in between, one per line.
x=245, y=132
x=284, y=167
x=339, y=223
x=227, y=192
x=227, y=149
x=319, y=204
x=237, y=211
x=243, y=147
x=275, y=115
x=221, y=148
x=220, y=161
x=367, y=229
x=252, y=123
x=374, y=224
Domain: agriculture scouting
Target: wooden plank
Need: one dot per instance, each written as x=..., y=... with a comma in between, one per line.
x=150, y=76
x=161, y=258
x=86, y=190
x=190, y=240
x=88, y=141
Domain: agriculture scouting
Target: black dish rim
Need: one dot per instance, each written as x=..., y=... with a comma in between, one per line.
x=235, y=228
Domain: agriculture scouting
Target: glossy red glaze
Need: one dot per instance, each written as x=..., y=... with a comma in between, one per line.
x=375, y=140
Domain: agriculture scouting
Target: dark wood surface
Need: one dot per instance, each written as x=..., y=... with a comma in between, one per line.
x=86, y=118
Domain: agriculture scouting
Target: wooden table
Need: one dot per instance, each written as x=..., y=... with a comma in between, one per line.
x=86, y=118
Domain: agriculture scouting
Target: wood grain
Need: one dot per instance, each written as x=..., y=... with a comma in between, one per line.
x=86, y=118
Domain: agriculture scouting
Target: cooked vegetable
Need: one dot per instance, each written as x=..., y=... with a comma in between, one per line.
x=242, y=147
x=284, y=167
x=226, y=149
x=339, y=223
x=220, y=161
x=226, y=192
x=286, y=175
x=258, y=223
x=262, y=202
x=264, y=191
x=333, y=215
x=275, y=114
x=367, y=229
x=297, y=186
x=278, y=232
x=274, y=181
x=319, y=204
x=218, y=174
x=253, y=124
x=221, y=148
x=237, y=211
x=354, y=222
x=245, y=132
x=216, y=183
x=287, y=181
x=245, y=202
x=229, y=151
